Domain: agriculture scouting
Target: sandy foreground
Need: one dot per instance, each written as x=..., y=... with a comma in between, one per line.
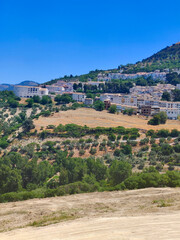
x=121, y=215
x=124, y=228
x=92, y=118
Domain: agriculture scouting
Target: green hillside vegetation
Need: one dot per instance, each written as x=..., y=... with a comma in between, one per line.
x=171, y=53
x=168, y=57
x=49, y=168
x=82, y=78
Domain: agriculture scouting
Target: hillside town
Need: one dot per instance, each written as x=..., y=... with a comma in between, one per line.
x=145, y=100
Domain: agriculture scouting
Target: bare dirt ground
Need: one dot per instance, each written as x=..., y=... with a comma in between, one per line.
x=92, y=118
x=137, y=214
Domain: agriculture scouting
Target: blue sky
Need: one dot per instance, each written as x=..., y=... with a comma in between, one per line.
x=45, y=39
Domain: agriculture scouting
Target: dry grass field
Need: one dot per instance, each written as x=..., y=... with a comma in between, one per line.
x=120, y=215
x=92, y=118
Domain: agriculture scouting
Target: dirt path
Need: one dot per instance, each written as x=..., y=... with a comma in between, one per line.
x=92, y=118
x=138, y=214
x=113, y=228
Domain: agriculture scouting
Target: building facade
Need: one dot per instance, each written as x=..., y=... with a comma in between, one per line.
x=79, y=97
x=29, y=91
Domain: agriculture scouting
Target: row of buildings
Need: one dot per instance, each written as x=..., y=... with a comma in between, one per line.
x=61, y=87
x=144, y=105
x=30, y=91
x=145, y=100
x=156, y=75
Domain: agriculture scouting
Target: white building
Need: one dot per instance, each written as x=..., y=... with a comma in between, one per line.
x=172, y=109
x=103, y=77
x=178, y=86
x=29, y=91
x=55, y=89
x=79, y=97
x=127, y=100
x=60, y=87
x=154, y=75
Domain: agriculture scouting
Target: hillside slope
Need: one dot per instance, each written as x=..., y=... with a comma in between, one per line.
x=152, y=213
x=171, y=53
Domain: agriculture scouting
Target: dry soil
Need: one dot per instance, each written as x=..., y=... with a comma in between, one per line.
x=121, y=215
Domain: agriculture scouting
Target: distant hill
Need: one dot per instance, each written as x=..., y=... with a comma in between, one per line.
x=171, y=53
x=28, y=83
x=6, y=87
x=168, y=57
x=9, y=87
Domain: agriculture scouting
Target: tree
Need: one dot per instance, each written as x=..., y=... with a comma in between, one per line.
x=166, y=96
x=30, y=102
x=163, y=117
x=159, y=118
x=113, y=109
x=97, y=168
x=174, y=133
x=128, y=111
x=10, y=180
x=155, y=120
x=3, y=143
x=119, y=171
x=57, y=99
x=28, y=125
x=63, y=178
x=46, y=100
x=176, y=95
x=75, y=86
x=13, y=103
x=117, y=152
x=127, y=149
x=112, y=137
x=44, y=171
x=64, y=99
x=36, y=99
x=99, y=106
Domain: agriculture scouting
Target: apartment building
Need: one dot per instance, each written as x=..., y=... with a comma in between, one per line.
x=152, y=90
x=88, y=101
x=79, y=97
x=60, y=87
x=127, y=100
x=146, y=104
x=103, y=77
x=29, y=91
x=154, y=75
x=55, y=89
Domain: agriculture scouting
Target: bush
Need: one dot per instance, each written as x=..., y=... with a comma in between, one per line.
x=93, y=151
x=99, y=106
x=174, y=133
x=145, y=148
x=127, y=149
x=159, y=118
x=113, y=109
x=63, y=99
x=163, y=133
x=81, y=152
x=4, y=144
x=112, y=137
x=117, y=152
